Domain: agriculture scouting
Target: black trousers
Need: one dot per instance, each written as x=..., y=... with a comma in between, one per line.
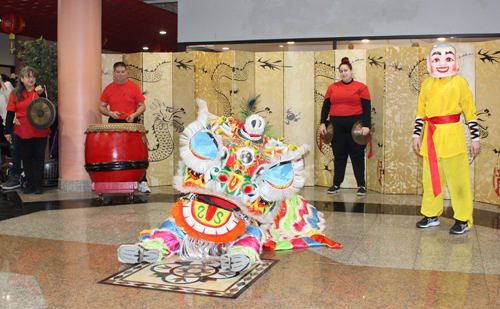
x=344, y=146
x=33, y=156
x=136, y=120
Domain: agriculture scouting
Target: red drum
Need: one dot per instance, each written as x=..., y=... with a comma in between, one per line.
x=116, y=152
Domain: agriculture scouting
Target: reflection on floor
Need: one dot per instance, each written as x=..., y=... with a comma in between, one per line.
x=55, y=248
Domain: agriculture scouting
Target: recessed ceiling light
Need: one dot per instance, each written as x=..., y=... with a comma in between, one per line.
x=281, y=46
x=225, y=48
x=365, y=40
x=291, y=42
x=441, y=39
x=163, y=32
x=145, y=48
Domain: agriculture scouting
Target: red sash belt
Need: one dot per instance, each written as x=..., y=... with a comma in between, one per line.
x=431, y=150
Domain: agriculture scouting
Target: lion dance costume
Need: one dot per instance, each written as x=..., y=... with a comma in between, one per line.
x=241, y=197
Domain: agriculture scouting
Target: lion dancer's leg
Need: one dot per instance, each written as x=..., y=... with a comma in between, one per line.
x=154, y=245
x=245, y=252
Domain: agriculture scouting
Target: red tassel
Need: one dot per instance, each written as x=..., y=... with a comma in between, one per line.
x=320, y=141
x=371, y=147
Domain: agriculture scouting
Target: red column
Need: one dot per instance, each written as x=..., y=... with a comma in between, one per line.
x=79, y=71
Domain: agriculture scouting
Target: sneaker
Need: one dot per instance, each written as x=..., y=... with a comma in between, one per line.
x=12, y=183
x=428, y=222
x=133, y=254
x=333, y=189
x=143, y=187
x=460, y=227
x=361, y=191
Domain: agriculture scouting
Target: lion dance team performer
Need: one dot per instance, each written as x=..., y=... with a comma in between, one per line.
x=443, y=97
x=126, y=104
x=31, y=139
x=347, y=101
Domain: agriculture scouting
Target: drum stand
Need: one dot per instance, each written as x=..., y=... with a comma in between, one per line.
x=115, y=187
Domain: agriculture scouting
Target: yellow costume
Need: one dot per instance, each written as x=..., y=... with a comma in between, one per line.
x=445, y=97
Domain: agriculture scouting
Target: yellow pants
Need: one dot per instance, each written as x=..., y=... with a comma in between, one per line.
x=453, y=172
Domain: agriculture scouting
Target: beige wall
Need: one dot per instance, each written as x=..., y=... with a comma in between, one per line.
x=487, y=164
x=375, y=80
x=325, y=74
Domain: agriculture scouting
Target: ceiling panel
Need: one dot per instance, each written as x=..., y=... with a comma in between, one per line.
x=127, y=24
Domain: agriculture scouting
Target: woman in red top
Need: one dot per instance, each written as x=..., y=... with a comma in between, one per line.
x=32, y=140
x=347, y=101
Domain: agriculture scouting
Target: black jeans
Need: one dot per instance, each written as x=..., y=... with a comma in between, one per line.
x=33, y=156
x=343, y=146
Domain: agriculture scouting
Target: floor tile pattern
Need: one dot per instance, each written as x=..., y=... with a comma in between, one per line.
x=55, y=248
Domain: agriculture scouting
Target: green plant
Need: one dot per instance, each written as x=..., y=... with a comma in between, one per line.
x=43, y=57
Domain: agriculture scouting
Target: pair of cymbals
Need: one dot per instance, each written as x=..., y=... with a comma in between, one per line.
x=41, y=113
x=356, y=134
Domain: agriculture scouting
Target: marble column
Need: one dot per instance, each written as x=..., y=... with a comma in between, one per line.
x=79, y=80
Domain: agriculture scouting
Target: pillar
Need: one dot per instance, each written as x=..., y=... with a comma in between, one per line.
x=79, y=71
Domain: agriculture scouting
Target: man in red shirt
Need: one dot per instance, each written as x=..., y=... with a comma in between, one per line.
x=126, y=104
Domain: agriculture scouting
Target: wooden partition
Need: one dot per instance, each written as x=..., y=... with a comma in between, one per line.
x=292, y=86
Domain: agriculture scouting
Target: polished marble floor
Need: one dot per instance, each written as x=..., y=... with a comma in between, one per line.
x=56, y=247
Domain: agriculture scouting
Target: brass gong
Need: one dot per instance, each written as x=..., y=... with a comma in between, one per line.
x=41, y=113
x=327, y=138
x=356, y=134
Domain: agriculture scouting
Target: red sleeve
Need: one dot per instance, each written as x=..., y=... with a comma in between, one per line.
x=11, y=106
x=363, y=92
x=328, y=92
x=105, y=96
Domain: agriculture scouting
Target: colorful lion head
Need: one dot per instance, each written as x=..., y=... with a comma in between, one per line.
x=233, y=166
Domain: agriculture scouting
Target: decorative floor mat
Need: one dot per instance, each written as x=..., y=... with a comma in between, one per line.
x=192, y=277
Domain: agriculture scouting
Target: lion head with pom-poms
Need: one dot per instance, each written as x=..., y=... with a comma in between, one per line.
x=230, y=166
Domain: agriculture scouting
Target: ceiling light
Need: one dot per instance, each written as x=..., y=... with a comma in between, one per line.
x=225, y=48
x=365, y=40
x=145, y=48
x=163, y=32
x=281, y=46
x=441, y=39
x=291, y=42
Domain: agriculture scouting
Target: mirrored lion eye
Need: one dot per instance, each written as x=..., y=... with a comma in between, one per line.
x=280, y=176
x=204, y=146
x=246, y=157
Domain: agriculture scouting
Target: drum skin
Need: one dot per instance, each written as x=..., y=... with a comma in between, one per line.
x=116, y=152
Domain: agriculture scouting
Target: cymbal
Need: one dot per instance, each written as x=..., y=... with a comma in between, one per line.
x=41, y=113
x=356, y=133
x=327, y=138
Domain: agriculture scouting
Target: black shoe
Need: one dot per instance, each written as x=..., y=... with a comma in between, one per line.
x=13, y=182
x=361, y=191
x=28, y=190
x=460, y=227
x=428, y=222
x=38, y=190
x=333, y=189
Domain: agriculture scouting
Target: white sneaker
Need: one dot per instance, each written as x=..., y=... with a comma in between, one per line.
x=143, y=187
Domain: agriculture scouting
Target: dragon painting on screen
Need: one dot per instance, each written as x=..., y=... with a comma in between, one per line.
x=241, y=197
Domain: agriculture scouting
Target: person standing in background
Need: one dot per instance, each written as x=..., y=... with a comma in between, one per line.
x=347, y=101
x=5, y=90
x=126, y=104
x=444, y=95
x=32, y=141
